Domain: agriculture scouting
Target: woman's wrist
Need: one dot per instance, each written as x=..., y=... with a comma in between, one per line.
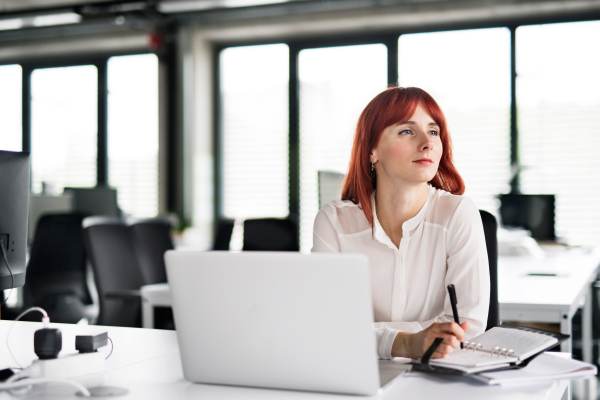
x=401, y=345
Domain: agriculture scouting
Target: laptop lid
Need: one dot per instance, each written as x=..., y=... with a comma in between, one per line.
x=277, y=320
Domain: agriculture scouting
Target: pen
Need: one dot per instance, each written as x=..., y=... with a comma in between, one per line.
x=453, y=301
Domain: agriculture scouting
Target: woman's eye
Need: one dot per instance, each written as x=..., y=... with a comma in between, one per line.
x=433, y=133
x=405, y=132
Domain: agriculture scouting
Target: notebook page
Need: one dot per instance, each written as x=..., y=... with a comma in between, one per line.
x=470, y=358
x=523, y=343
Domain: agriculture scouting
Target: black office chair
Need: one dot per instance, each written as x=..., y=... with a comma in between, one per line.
x=270, y=234
x=223, y=231
x=490, y=230
x=109, y=245
x=151, y=239
x=56, y=273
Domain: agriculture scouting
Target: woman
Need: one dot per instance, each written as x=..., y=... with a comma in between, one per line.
x=401, y=206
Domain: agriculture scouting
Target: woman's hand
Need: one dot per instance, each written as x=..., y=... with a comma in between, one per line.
x=414, y=345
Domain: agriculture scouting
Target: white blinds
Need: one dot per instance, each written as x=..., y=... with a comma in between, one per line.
x=64, y=126
x=336, y=84
x=11, y=136
x=255, y=132
x=468, y=74
x=558, y=101
x=133, y=132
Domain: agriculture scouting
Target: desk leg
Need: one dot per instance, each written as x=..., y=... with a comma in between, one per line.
x=567, y=394
x=147, y=314
x=565, y=327
x=586, y=328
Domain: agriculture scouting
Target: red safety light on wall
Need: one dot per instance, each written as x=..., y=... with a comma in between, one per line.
x=155, y=41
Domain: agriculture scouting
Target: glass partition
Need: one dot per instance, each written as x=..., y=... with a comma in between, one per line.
x=64, y=126
x=468, y=74
x=133, y=132
x=11, y=137
x=558, y=100
x=336, y=83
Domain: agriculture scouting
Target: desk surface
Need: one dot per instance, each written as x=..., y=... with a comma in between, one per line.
x=574, y=269
x=146, y=362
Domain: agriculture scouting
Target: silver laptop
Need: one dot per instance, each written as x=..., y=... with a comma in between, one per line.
x=277, y=320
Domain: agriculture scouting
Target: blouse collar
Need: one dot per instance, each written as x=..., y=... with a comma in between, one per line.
x=407, y=227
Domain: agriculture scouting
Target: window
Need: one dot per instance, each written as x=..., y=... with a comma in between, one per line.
x=336, y=83
x=255, y=131
x=64, y=126
x=558, y=100
x=468, y=74
x=11, y=137
x=133, y=132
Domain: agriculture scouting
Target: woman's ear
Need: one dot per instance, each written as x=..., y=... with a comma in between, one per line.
x=373, y=157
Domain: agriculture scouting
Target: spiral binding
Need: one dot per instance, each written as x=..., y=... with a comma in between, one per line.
x=496, y=350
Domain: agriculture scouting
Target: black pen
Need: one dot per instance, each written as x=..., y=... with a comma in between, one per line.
x=453, y=301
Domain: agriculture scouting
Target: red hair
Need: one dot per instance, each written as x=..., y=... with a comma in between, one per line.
x=394, y=105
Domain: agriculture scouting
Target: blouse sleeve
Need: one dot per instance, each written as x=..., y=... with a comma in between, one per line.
x=468, y=268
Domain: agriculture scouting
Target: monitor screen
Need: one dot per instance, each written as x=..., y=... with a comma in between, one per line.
x=14, y=209
x=534, y=212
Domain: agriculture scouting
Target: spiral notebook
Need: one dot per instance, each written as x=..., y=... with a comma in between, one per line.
x=502, y=347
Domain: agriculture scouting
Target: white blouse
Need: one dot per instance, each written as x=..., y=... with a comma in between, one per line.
x=443, y=244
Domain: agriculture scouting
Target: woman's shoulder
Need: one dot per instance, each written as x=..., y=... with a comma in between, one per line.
x=345, y=216
x=446, y=207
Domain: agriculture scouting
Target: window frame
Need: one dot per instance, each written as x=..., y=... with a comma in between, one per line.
x=100, y=61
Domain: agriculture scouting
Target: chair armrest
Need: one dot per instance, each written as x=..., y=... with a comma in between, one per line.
x=126, y=295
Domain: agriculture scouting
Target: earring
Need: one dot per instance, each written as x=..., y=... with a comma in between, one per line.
x=372, y=171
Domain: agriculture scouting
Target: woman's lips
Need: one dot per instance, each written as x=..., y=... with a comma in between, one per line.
x=424, y=161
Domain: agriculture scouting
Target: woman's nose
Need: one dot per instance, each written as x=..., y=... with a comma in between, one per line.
x=427, y=143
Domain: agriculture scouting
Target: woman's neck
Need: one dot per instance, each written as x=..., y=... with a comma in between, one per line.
x=396, y=205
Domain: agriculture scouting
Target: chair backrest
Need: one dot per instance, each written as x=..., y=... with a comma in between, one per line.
x=490, y=230
x=223, y=231
x=330, y=186
x=57, y=267
x=151, y=239
x=40, y=205
x=271, y=234
x=109, y=245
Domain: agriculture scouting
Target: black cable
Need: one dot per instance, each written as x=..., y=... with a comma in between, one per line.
x=12, y=278
x=112, y=346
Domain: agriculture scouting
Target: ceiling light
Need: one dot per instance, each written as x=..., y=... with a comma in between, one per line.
x=56, y=19
x=184, y=6
x=13, y=23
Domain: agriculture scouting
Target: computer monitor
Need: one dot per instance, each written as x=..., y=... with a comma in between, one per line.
x=95, y=201
x=534, y=212
x=14, y=210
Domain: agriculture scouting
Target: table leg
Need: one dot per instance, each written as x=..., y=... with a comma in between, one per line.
x=586, y=327
x=566, y=327
x=147, y=314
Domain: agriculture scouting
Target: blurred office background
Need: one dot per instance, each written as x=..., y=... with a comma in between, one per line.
x=219, y=110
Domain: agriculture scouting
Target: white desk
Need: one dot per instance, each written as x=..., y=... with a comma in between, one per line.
x=550, y=299
x=146, y=362
x=524, y=298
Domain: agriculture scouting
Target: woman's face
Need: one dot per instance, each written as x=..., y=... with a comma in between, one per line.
x=409, y=152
